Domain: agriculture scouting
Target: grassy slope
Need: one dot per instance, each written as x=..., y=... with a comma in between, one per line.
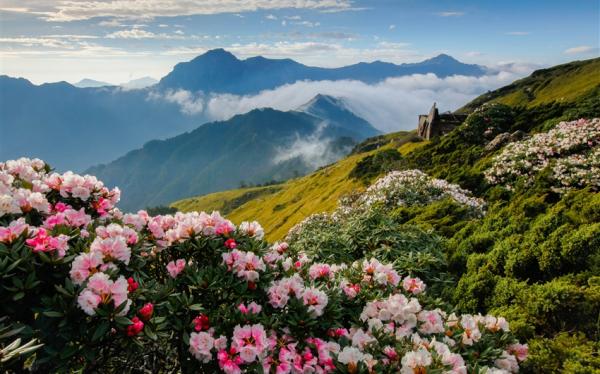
x=279, y=210
x=562, y=83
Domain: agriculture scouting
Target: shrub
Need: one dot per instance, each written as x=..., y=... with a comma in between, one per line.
x=376, y=164
x=106, y=291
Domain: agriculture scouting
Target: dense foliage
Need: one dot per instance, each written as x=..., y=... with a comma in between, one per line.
x=103, y=290
x=533, y=255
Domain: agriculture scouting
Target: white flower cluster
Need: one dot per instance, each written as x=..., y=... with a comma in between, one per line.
x=413, y=187
x=571, y=150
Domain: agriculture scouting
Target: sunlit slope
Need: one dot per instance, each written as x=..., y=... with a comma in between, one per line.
x=280, y=207
x=562, y=84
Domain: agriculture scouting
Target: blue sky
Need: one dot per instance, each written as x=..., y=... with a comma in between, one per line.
x=115, y=41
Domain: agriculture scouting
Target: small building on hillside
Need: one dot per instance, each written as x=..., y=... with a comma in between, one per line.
x=436, y=124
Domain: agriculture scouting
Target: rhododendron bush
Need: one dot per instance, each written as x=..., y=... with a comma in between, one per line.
x=570, y=152
x=103, y=290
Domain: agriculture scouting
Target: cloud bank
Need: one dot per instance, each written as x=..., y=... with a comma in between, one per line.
x=390, y=105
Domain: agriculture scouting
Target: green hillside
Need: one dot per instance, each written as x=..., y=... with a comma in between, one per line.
x=278, y=208
x=559, y=84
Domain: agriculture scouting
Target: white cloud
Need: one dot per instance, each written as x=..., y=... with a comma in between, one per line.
x=65, y=11
x=450, y=14
x=163, y=25
x=391, y=27
x=582, y=49
x=307, y=23
x=314, y=150
x=271, y=17
x=518, y=33
x=474, y=54
x=390, y=105
x=137, y=33
x=188, y=103
x=14, y=9
x=294, y=18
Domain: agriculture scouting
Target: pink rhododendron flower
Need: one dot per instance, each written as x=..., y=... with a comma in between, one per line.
x=89, y=301
x=13, y=231
x=84, y=265
x=252, y=229
x=201, y=344
x=250, y=341
x=201, y=322
x=245, y=265
x=145, y=312
x=136, y=327
x=315, y=300
x=520, y=351
x=42, y=242
x=132, y=285
x=176, y=267
x=229, y=361
x=112, y=249
x=253, y=308
x=413, y=285
x=320, y=271
x=107, y=290
x=230, y=243
x=416, y=362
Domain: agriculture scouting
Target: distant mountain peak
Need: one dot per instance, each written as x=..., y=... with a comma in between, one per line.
x=86, y=82
x=442, y=59
x=217, y=53
x=322, y=102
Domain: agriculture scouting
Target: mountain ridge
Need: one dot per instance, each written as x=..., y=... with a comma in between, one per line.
x=220, y=71
x=258, y=146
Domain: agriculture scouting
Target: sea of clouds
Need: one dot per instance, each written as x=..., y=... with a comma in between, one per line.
x=390, y=105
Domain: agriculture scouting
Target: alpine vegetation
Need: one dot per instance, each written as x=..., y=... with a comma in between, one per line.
x=192, y=292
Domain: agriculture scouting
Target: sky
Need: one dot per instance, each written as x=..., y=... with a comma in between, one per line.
x=116, y=41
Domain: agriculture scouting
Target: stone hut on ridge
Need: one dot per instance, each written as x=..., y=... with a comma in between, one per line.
x=436, y=124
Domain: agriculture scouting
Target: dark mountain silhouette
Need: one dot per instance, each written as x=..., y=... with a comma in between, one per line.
x=220, y=71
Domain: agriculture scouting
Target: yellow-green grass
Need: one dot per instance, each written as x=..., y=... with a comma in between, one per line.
x=565, y=87
x=221, y=200
x=296, y=199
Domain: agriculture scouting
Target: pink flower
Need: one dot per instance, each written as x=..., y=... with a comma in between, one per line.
x=132, y=285
x=201, y=343
x=244, y=264
x=112, y=248
x=230, y=243
x=176, y=267
x=102, y=286
x=229, y=361
x=253, y=308
x=315, y=300
x=13, y=231
x=520, y=351
x=146, y=311
x=89, y=301
x=413, y=285
x=201, y=322
x=250, y=341
x=252, y=229
x=136, y=327
x=84, y=265
x=42, y=242
x=317, y=271
x=432, y=321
